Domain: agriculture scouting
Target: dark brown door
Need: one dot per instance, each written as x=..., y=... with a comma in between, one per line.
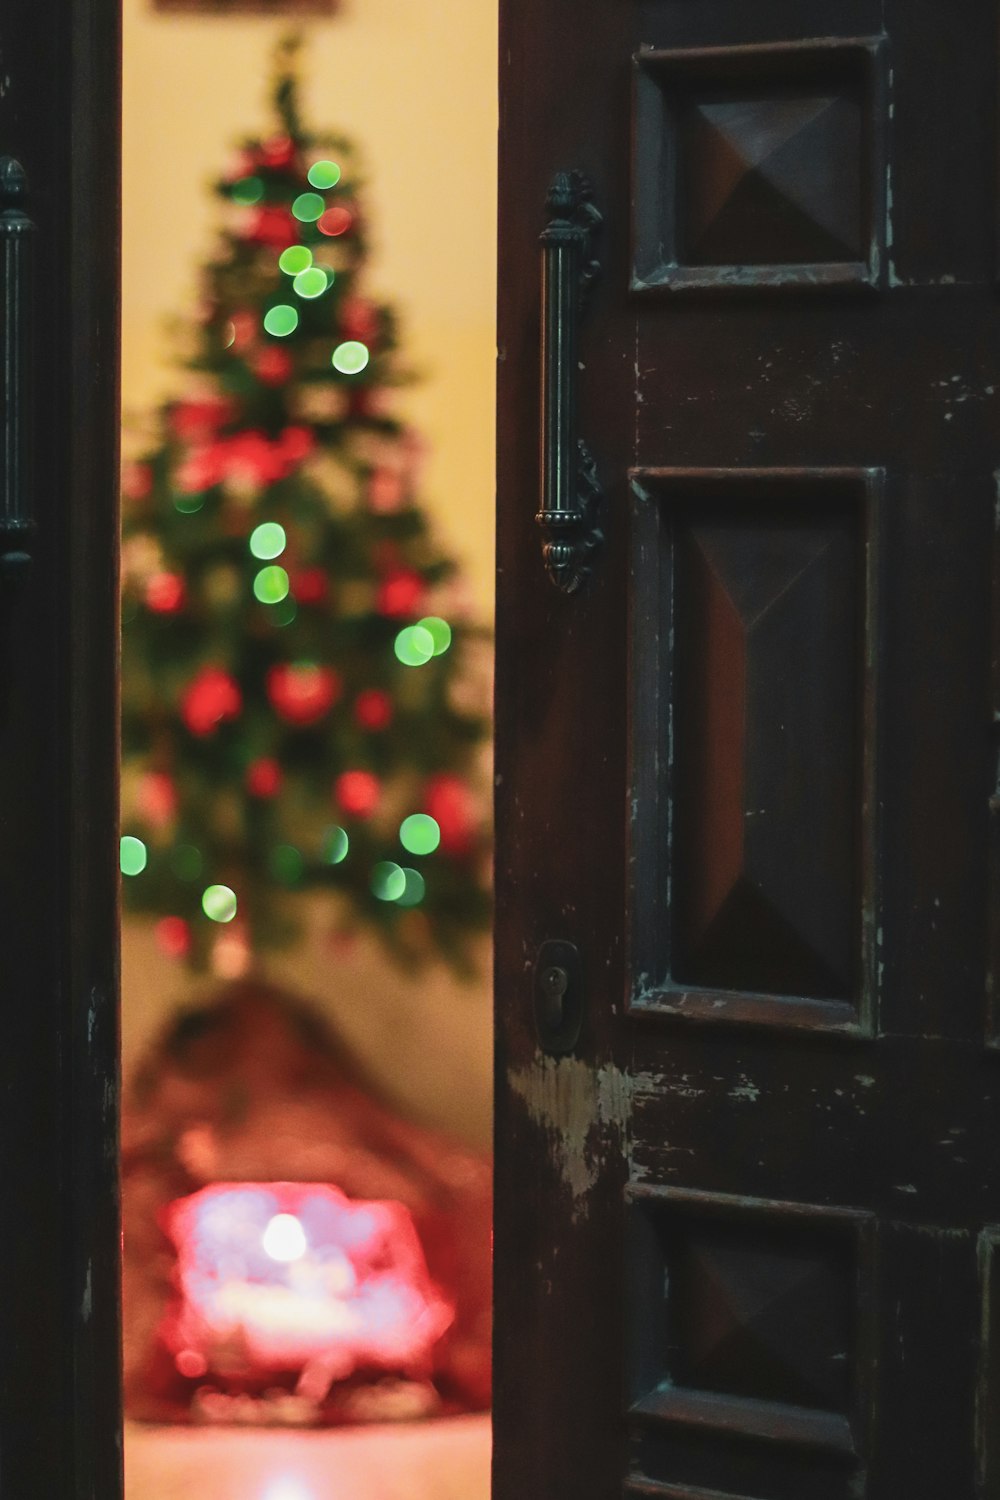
x=748, y=1215
x=60, y=1433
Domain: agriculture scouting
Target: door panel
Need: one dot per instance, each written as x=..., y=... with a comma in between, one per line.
x=746, y=1233
x=60, y=1415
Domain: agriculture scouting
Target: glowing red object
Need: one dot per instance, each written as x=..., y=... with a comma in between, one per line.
x=303, y=693
x=357, y=792
x=263, y=777
x=335, y=221
x=209, y=699
x=359, y=319
x=401, y=594
x=273, y=366
x=279, y=151
x=373, y=709
x=294, y=1281
x=165, y=593
x=137, y=481
x=156, y=798
x=272, y=224
x=173, y=936
x=450, y=802
x=311, y=586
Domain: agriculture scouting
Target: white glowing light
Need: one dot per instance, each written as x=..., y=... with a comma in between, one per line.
x=287, y=1487
x=285, y=1239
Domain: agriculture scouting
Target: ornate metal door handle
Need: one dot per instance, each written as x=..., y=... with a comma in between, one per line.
x=571, y=493
x=16, y=234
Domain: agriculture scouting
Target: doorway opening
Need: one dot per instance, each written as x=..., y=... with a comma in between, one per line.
x=307, y=597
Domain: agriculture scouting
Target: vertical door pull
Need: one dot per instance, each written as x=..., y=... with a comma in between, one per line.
x=16, y=235
x=570, y=491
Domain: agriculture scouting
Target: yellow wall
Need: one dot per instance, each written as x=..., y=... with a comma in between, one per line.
x=414, y=86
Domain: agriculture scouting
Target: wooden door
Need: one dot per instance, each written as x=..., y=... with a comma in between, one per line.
x=748, y=1117
x=60, y=1425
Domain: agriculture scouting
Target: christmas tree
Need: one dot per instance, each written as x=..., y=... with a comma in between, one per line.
x=292, y=684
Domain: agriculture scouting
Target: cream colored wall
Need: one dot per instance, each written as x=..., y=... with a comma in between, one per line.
x=414, y=86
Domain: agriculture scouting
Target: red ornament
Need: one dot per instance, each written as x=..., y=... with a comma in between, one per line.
x=357, y=793
x=296, y=443
x=400, y=593
x=157, y=798
x=212, y=697
x=200, y=420
x=373, y=709
x=137, y=481
x=272, y=224
x=449, y=801
x=310, y=586
x=273, y=366
x=244, y=330
x=303, y=693
x=264, y=778
x=386, y=491
x=165, y=593
x=279, y=151
x=359, y=319
x=173, y=935
x=336, y=220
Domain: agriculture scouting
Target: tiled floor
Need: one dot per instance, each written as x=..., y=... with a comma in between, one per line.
x=446, y=1460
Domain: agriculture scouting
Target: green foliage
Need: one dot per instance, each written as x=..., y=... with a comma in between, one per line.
x=274, y=739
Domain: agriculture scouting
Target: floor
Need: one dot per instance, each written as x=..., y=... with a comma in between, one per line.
x=445, y=1460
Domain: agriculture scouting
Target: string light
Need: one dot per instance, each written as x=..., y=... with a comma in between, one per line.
x=308, y=207
x=388, y=881
x=134, y=856
x=419, y=834
x=271, y=585
x=248, y=190
x=295, y=259
x=281, y=320
x=440, y=632
x=336, y=845
x=311, y=282
x=286, y=864
x=415, y=889
x=218, y=902
x=188, y=505
x=350, y=358
x=268, y=540
x=414, y=645
x=324, y=174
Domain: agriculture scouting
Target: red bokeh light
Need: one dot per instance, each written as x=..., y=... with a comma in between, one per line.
x=357, y=793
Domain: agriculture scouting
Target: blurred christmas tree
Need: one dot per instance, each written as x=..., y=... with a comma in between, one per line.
x=292, y=710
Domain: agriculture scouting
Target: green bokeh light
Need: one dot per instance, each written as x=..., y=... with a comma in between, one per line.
x=350, y=358
x=267, y=540
x=415, y=889
x=295, y=259
x=388, y=881
x=440, y=631
x=308, y=207
x=248, y=190
x=134, y=856
x=219, y=903
x=285, y=612
x=271, y=585
x=280, y=321
x=188, y=505
x=324, y=174
x=310, y=283
x=414, y=646
x=419, y=834
x=286, y=864
x=186, y=862
x=336, y=845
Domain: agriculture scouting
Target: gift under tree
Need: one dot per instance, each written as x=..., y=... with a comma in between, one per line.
x=293, y=712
